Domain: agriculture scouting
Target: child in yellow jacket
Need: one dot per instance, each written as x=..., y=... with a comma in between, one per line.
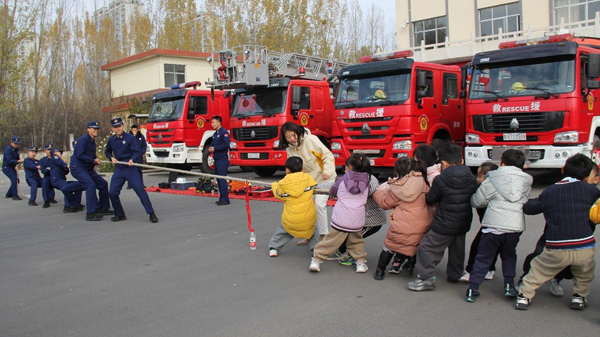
x=299, y=212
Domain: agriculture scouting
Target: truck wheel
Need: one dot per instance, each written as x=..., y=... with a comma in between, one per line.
x=265, y=171
x=247, y=168
x=208, y=162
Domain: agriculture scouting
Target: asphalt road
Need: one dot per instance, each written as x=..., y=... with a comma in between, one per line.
x=193, y=274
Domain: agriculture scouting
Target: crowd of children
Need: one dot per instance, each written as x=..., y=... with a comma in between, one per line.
x=431, y=200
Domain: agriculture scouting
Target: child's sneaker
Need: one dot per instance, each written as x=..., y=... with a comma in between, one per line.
x=472, y=295
x=578, y=302
x=347, y=261
x=509, y=290
x=489, y=275
x=555, y=288
x=465, y=278
x=422, y=285
x=273, y=252
x=361, y=267
x=522, y=302
x=315, y=266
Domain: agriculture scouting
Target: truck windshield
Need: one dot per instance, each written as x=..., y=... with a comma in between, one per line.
x=373, y=90
x=260, y=103
x=502, y=80
x=167, y=110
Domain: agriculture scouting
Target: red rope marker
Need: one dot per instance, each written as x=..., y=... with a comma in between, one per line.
x=252, y=235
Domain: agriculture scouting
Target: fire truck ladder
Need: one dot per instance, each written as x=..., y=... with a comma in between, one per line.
x=251, y=65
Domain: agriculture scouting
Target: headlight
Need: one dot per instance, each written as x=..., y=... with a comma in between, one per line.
x=178, y=148
x=403, y=145
x=276, y=143
x=472, y=138
x=232, y=145
x=336, y=146
x=567, y=137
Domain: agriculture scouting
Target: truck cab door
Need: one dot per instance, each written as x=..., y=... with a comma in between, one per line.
x=302, y=104
x=197, y=120
x=427, y=101
x=451, y=111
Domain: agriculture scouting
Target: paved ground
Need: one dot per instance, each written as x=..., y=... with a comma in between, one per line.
x=192, y=274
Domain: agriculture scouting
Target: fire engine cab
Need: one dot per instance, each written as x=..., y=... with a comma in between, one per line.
x=389, y=104
x=539, y=96
x=179, y=131
x=270, y=89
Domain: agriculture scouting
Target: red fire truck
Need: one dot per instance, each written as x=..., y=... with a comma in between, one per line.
x=270, y=89
x=389, y=104
x=539, y=96
x=179, y=131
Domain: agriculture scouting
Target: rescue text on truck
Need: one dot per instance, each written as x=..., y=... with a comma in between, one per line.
x=270, y=89
x=179, y=132
x=389, y=104
x=538, y=96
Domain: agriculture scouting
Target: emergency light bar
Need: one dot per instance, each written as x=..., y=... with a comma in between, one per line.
x=546, y=39
x=386, y=56
x=186, y=85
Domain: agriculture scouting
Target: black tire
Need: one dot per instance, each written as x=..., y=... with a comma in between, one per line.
x=247, y=168
x=208, y=163
x=265, y=171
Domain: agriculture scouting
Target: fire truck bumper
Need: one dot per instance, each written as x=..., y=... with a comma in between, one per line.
x=538, y=156
x=176, y=154
x=257, y=158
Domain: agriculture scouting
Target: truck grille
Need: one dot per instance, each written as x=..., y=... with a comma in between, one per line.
x=528, y=122
x=372, y=155
x=260, y=133
x=161, y=154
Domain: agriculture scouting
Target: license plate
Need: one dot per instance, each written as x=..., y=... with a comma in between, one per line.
x=514, y=136
x=161, y=160
x=253, y=155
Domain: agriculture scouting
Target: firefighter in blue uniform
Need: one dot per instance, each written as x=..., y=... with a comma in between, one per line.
x=220, y=151
x=135, y=131
x=72, y=190
x=124, y=147
x=31, y=167
x=83, y=162
x=47, y=189
x=9, y=167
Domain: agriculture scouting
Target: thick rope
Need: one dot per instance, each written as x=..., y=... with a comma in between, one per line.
x=207, y=175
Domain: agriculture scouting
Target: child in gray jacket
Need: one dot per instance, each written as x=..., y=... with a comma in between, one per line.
x=504, y=192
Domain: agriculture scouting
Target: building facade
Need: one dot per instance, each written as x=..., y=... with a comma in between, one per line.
x=120, y=13
x=456, y=29
x=139, y=76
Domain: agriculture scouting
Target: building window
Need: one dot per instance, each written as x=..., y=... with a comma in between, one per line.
x=505, y=17
x=431, y=30
x=174, y=74
x=575, y=10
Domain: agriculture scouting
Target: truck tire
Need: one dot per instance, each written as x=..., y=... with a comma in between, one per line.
x=208, y=162
x=265, y=171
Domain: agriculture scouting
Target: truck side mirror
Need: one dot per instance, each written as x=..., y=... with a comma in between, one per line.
x=462, y=94
x=593, y=66
x=295, y=100
x=335, y=89
x=421, y=79
x=463, y=77
x=191, y=109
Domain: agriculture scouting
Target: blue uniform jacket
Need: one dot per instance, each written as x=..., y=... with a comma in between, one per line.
x=58, y=168
x=220, y=142
x=31, y=170
x=143, y=146
x=11, y=157
x=85, y=153
x=45, y=166
x=123, y=148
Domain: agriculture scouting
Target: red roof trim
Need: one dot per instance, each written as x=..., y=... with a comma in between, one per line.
x=152, y=53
